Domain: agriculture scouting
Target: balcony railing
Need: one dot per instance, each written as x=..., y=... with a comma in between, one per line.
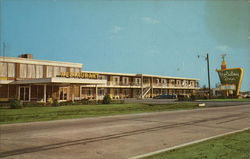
x=163, y=85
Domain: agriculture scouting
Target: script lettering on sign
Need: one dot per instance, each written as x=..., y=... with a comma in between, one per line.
x=230, y=75
x=231, y=79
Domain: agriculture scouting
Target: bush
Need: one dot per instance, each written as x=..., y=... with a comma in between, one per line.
x=56, y=103
x=106, y=99
x=15, y=104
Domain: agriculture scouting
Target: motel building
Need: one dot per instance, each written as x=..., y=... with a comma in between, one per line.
x=31, y=80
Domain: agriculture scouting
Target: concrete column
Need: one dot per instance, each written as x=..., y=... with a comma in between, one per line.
x=29, y=92
x=96, y=91
x=73, y=93
x=44, y=93
x=80, y=92
x=18, y=92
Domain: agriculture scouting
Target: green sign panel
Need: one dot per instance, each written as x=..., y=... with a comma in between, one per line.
x=231, y=76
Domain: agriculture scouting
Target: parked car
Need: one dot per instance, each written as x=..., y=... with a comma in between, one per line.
x=166, y=96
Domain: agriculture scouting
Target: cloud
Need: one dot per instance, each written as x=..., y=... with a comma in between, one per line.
x=150, y=20
x=116, y=29
x=223, y=48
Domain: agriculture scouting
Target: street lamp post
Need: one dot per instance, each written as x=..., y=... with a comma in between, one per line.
x=208, y=73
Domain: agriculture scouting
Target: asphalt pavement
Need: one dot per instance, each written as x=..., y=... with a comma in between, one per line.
x=120, y=136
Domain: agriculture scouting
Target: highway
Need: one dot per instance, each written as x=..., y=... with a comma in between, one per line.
x=118, y=137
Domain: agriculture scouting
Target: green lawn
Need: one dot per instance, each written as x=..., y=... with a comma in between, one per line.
x=224, y=100
x=234, y=146
x=30, y=114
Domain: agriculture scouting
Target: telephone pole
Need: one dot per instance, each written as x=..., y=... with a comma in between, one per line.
x=208, y=73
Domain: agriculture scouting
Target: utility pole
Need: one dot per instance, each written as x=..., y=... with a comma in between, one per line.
x=208, y=74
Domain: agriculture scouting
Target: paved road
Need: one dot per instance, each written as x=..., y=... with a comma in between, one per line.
x=118, y=137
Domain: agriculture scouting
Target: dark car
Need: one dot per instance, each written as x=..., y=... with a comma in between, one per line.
x=166, y=96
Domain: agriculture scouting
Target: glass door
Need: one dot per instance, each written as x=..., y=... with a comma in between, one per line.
x=24, y=93
x=63, y=93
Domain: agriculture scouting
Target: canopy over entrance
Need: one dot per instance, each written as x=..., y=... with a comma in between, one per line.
x=55, y=88
x=61, y=80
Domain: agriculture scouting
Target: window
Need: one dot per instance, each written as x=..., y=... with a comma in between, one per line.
x=102, y=77
x=72, y=69
x=116, y=80
x=77, y=70
x=125, y=80
x=100, y=91
x=49, y=71
x=157, y=81
x=116, y=92
x=11, y=70
x=137, y=81
x=31, y=71
x=23, y=70
x=126, y=92
x=56, y=71
x=191, y=83
x=39, y=71
x=63, y=93
x=63, y=69
x=178, y=82
x=89, y=91
x=3, y=69
x=164, y=81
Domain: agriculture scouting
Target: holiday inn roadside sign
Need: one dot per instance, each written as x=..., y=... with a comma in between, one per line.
x=231, y=76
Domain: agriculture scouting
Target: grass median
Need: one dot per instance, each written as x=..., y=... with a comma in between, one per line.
x=234, y=146
x=31, y=114
x=227, y=100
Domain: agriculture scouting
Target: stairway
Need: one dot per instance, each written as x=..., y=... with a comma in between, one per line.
x=145, y=91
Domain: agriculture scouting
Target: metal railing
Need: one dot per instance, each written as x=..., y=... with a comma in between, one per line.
x=112, y=83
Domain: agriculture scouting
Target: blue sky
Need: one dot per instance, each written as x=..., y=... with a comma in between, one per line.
x=132, y=36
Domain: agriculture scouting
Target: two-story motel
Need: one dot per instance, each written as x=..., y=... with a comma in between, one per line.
x=28, y=80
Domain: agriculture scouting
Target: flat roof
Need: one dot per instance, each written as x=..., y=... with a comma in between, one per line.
x=39, y=62
x=146, y=75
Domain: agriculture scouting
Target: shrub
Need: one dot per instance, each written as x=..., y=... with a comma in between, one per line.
x=15, y=104
x=56, y=103
x=84, y=101
x=106, y=99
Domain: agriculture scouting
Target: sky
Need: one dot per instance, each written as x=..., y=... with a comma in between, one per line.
x=161, y=37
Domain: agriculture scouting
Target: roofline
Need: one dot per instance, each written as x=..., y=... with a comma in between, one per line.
x=39, y=62
x=147, y=75
x=61, y=80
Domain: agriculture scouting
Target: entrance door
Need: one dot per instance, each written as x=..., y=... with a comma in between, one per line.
x=24, y=93
x=63, y=93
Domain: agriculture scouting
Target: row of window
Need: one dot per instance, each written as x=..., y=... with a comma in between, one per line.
x=31, y=70
x=7, y=69
x=126, y=92
x=125, y=80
